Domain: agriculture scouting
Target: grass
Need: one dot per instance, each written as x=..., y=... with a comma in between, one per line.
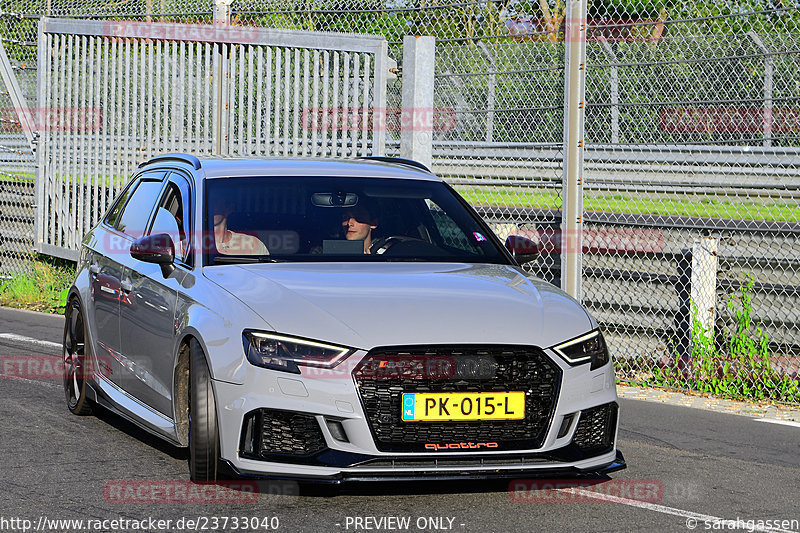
x=770, y=209
x=43, y=288
x=733, y=363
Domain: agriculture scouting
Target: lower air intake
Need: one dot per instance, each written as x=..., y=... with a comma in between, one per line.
x=596, y=427
x=269, y=434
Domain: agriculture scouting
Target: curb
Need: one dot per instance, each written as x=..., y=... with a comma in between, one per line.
x=750, y=409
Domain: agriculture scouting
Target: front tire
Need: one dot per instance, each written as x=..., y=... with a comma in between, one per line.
x=203, y=428
x=76, y=356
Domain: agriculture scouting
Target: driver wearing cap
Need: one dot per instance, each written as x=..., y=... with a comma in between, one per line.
x=358, y=224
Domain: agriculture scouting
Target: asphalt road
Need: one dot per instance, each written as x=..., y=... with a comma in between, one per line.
x=687, y=467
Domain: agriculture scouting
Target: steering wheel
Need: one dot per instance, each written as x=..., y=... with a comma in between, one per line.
x=390, y=241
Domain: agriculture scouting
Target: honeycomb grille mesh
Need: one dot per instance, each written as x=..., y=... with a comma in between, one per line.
x=518, y=368
x=595, y=429
x=269, y=432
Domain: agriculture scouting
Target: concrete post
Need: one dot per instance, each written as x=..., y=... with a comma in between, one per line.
x=416, y=130
x=704, y=282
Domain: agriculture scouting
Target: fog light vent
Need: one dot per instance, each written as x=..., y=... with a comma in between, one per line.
x=337, y=430
x=565, y=425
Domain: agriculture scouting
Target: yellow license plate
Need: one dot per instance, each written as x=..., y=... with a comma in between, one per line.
x=428, y=407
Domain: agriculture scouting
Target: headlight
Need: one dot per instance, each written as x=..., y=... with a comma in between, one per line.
x=589, y=347
x=279, y=352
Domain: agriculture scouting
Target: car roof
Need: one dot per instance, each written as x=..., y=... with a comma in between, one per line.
x=229, y=167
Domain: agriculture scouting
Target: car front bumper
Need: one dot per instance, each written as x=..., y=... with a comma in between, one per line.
x=311, y=402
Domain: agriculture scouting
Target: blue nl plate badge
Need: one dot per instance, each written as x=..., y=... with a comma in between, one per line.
x=408, y=407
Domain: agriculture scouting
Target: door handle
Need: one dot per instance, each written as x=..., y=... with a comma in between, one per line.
x=126, y=286
x=94, y=269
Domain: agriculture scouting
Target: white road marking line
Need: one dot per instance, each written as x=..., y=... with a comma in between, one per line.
x=22, y=338
x=776, y=421
x=698, y=519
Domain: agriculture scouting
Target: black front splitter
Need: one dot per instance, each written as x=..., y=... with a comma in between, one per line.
x=432, y=475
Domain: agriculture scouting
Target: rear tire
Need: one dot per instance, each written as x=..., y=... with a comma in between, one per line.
x=77, y=359
x=203, y=429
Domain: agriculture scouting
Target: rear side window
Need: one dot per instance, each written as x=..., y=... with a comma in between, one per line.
x=133, y=217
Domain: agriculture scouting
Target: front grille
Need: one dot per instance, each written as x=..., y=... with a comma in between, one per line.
x=514, y=368
x=271, y=435
x=595, y=431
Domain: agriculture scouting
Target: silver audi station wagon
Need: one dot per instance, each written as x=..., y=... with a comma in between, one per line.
x=332, y=320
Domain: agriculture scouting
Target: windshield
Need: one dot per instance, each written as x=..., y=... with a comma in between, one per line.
x=341, y=219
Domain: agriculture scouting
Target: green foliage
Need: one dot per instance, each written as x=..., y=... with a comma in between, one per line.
x=44, y=288
x=737, y=364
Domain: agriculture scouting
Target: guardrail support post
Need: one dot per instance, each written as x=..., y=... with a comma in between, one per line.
x=416, y=119
x=572, y=182
x=768, y=67
x=491, y=89
x=614, y=86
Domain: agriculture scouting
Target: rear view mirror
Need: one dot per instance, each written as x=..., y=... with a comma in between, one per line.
x=523, y=249
x=334, y=199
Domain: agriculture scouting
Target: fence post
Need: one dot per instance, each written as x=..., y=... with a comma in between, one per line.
x=703, y=292
x=614, y=82
x=222, y=16
x=222, y=12
x=768, y=67
x=572, y=183
x=416, y=131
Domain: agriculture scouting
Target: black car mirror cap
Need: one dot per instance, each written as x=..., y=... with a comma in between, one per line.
x=522, y=248
x=158, y=249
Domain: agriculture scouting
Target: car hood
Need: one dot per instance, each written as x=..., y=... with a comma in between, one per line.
x=381, y=304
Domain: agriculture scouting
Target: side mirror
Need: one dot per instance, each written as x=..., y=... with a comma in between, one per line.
x=158, y=249
x=522, y=248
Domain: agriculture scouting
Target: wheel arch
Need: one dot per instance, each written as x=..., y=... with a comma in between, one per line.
x=180, y=396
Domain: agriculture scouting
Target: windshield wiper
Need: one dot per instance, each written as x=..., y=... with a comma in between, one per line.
x=248, y=259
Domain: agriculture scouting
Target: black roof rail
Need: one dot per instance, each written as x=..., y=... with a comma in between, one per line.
x=397, y=160
x=183, y=158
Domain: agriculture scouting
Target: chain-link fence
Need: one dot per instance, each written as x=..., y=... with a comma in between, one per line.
x=693, y=114
x=17, y=171
x=691, y=261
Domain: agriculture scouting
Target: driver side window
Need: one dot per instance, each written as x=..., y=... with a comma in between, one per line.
x=172, y=217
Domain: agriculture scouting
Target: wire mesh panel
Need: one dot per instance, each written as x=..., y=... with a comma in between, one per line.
x=691, y=195
x=122, y=92
x=17, y=171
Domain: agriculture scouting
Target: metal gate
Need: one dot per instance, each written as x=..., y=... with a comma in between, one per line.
x=117, y=93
